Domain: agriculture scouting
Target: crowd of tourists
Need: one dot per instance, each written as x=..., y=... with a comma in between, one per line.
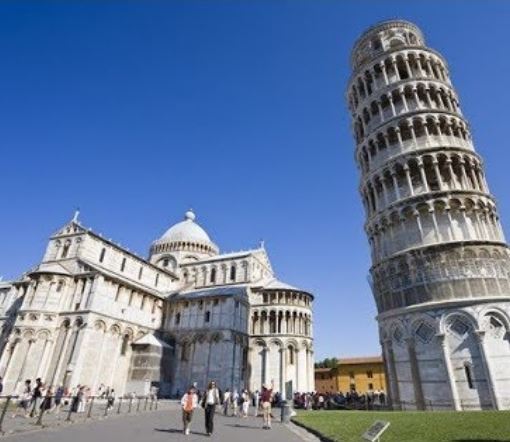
x=37, y=396
x=231, y=403
x=349, y=400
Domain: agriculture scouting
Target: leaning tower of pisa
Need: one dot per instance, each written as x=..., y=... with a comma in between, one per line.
x=440, y=264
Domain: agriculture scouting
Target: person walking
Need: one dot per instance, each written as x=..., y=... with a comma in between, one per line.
x=226, y=401
x=245, y=403
x=256, y=403
x=24, y=399
x=265, y=398
x=234, y=402
x=210, y=400
x=59, y=393
x=36, y=397
x=188, y=402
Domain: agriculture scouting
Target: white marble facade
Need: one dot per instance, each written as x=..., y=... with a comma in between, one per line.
x=440, y=265
x=94, y=313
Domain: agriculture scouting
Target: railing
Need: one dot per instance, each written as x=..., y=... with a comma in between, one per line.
x=49, y=411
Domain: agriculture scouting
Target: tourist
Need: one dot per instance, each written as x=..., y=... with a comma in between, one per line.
x=209, y=402
x=245, y=403
x=24, y=399
x=234, y=401
x=188, y=402
x=36, y=397
x=256, y=402
x=59, y=393
x=47, y=395
x=226, y=401
x=111, y=399
x=265, y=398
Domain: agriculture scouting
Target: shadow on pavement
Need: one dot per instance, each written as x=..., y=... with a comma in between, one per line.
x=243, y=426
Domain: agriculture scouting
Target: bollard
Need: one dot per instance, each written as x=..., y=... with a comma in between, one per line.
x=4, y=410
x=120, y=404
x=75, y=398
x=89, y=413
x=130, y=404
x=138, y=405
x=286, y=412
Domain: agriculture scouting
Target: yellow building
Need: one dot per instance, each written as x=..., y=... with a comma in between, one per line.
x=361, y=374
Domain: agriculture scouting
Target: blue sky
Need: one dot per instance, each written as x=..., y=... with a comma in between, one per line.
x=136, y=111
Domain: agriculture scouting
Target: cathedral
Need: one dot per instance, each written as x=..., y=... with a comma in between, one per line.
x=94, y=313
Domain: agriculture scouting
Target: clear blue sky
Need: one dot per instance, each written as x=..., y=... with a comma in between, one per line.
x=136, y=111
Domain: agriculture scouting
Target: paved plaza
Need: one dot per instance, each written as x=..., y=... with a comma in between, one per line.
x=162, y=426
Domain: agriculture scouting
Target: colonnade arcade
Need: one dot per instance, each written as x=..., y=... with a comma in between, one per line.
x=441, y=274
x=280, y=321
x=416, y=133
x=414, y=97
x=393, y=68
x=412, y=175
x=434, y=221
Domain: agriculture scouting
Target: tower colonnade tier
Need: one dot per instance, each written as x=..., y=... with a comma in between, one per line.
x=440, y=265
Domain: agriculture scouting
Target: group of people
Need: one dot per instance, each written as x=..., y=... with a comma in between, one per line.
x=38, y=396
x=233, y=403
x=350, y=400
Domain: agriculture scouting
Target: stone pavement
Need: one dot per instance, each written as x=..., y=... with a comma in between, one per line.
x=161, y=426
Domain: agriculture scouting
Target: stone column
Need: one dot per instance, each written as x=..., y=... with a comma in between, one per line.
x=415, y=374
x=449, y=371
x=480, y=335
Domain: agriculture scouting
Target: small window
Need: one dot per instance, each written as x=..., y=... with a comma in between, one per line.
x=469, y=376
x=60, y=285
x=264, y=298
x=213, y=275
x=140, y=272
x=123, y=264
x=142, y=304
x=177, y=319
x=117, y=293
x=233, y=273
x=216, y=302
x=207, y=316
x=101, y=255
x=370, y=375
x=165, y=262
x=370, y=386
x=124, y=347
x=351, y=374
x=65, y=249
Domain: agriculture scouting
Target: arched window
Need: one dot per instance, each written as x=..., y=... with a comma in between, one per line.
x=233, y=273
x=101, y=255
x=60, y=285
x=165, y=262
x=213, y=275
x=177, y=319
x=291, y=354
x=65, y=249
x=157, y=280
x=123, y=264
x=207, y=316
x=184, y=352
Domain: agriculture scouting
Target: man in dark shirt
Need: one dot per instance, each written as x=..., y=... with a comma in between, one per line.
x=265, y=399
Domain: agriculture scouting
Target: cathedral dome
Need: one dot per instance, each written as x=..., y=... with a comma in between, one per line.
x=187, y=230
x=183, y=241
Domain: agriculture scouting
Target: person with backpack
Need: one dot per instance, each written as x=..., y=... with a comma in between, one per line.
x=188, y=403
